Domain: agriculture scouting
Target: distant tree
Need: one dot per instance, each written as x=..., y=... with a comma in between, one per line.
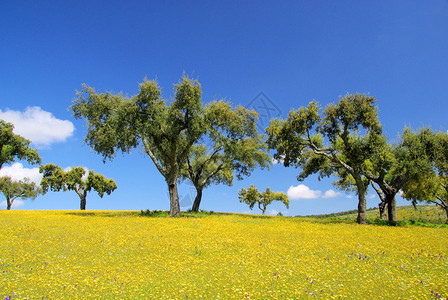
x=432, y=184
x=56, y=179
x=167, y=132
x=252, y=196
x=24, y=189
x=341, y=140
x=13, y=146
x=235, y=147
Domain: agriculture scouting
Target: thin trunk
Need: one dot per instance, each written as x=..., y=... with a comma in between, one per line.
x=9, y=204
x=197, y=200
x=174, y=200
x=383, y=204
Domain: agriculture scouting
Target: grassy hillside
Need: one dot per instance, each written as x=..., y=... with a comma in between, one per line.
x=421, y=213
x=123, y=255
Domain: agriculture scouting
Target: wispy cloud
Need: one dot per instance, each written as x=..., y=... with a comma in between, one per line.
x=331, y=194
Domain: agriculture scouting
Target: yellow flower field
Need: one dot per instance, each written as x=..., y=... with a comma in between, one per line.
x=120, y=255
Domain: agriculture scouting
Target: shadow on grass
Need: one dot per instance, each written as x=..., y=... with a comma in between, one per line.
x=199, y=214
x=110, y=214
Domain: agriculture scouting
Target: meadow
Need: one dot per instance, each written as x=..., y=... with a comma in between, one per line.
x=424, y=215
x=124, y=255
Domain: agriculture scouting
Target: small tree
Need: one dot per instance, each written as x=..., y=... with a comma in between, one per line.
x=24, y=189
x=236, y=148
x=13, y=146
x=56, y=179
x=252, y=196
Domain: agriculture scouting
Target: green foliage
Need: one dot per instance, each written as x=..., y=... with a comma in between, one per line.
x=339, y=141
x=13, y=146
x=74, y=179
x=252, y=196
x=24, y=189
x=235, y=148
x=432, y=183
x=167, y=132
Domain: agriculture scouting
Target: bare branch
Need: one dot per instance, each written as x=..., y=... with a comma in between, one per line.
x=154, y=159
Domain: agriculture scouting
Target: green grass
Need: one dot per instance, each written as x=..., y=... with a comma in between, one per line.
x=421, y=215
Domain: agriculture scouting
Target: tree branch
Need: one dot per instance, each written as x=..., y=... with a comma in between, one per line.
x=379, y=192
x=210, y=157
x=154, y=159
x=220, y=167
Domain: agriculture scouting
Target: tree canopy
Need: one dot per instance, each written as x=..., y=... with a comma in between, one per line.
x=13, y=146
x=234, y=148
x=338, y=141
x=75, y=179
x=252, y=196
x=23, y=189
x=432, y=183
x=166, y=132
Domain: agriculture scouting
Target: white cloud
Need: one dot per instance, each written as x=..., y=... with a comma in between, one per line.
x=349, y=196
x=278, y=161
x=39, y=126
x=331, y=194
x=371, y=196
x=15, y=204
x=17, y=172
x=302, y=192
x=273, y=212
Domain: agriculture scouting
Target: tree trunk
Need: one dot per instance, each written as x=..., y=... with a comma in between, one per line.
x=83, y=202
x=263, y=209
x=446, y=210
x=383, y=204
x=383, y=210
x=174, y=200
x=197, y=200
x=9, y=204
x=362, y=202
x=391, y=207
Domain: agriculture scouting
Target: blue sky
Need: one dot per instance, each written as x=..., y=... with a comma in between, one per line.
x=291, y=51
